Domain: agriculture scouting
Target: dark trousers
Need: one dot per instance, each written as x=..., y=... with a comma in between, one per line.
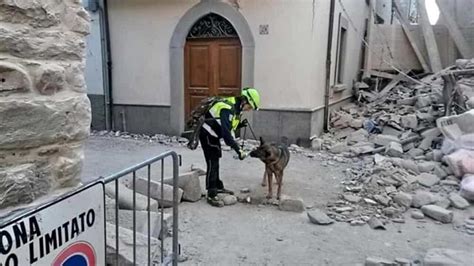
x=211, y=147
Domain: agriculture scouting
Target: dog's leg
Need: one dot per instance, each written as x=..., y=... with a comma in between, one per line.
x=270, y=190
x=279, y=177
x=264, y=180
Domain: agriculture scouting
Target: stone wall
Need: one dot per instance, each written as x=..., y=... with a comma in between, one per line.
x=44, y=111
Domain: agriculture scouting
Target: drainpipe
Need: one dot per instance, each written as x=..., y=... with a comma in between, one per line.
x=107, y=65
x=328, y=66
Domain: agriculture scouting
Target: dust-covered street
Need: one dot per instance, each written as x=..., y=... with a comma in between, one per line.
x=252, y=234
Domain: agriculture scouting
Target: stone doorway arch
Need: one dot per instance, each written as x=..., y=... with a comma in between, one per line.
x=178, y=42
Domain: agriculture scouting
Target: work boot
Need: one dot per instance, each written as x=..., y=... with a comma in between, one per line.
x=215, y=201
x=225, y=191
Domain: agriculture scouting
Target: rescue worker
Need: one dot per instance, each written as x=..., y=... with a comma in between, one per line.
x=222, y=119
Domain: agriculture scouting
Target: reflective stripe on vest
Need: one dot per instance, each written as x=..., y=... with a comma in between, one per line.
x=215, y=113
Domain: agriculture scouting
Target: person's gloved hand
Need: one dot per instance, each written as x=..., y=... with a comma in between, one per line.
x=242, y=154
x=243, y=123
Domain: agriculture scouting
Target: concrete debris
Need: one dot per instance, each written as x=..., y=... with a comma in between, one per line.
x=467, y=187
x=422, y=198
x=427, y=180
x=441, y=256
x=417, y=215
x=189, y=183
x=291, y=204
x=438, y=213
x=319, y=217
x=376, y=224
x=403, y=199
x=126, y=248
x=457, y=201
x=394, y=149
x=229, y=200
x=158, y=138
x=165, y=199
x=351, y=198
x=125, y=198
x=373, y=261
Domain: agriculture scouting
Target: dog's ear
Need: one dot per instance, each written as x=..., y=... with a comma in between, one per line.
x=262, y=141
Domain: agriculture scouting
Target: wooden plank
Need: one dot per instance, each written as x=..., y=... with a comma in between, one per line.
x=391, y=85
x=430, y=41
x=411, y=39
x=387, y=75
x=382, y=74
x=456, y=34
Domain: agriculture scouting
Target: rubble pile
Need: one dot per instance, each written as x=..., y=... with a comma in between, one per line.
x=157, y=138
x=408, y=154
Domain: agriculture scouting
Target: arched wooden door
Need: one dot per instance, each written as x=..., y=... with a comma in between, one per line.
x=212, y=61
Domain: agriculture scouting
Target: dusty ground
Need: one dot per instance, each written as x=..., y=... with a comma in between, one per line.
x=262, y=235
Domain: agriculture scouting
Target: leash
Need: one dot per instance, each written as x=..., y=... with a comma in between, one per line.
x=245, y=134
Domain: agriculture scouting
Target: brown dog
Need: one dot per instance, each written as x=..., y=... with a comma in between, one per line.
x=276, y=158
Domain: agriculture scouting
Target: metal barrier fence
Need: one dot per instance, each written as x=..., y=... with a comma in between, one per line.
x=170, y=258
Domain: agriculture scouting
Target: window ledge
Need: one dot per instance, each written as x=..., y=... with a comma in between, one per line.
x=339, y=88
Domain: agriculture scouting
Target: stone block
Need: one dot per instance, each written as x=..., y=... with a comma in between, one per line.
x=358, y=136
x=190, y=184
x=409, y=121
x=390, y=131
x=35, y=13
x=384, y=140
x=410, y=165
x=126, y=247
x=319, y=217
x=442, y=256
x=374, y=261
x=14, y=79
x=437, y=155
x=141, y=219
x=394, y=149
x=415, y=152
x=339, y=148
x=431, y=133
x=199, y=169
x=423, y=101
x=291, y=205
x=42, y=45
x=125, y=199
x=442, y=202
x=48, y=121
x=343, y=121
x=362, y=148
x=22, y=184
x=316, y=144
x=356, y=123
x=403, y=199
x=422, y=198
x=141, y=186
x=457, y=201
x=229, y=200
x=438, y=213
x=427, y=166
x=417, y=215
x=427, y=180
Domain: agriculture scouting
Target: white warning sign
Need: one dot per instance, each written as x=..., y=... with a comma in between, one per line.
x=68, y=231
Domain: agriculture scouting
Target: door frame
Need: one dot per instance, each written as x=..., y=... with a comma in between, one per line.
x=177, y=45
